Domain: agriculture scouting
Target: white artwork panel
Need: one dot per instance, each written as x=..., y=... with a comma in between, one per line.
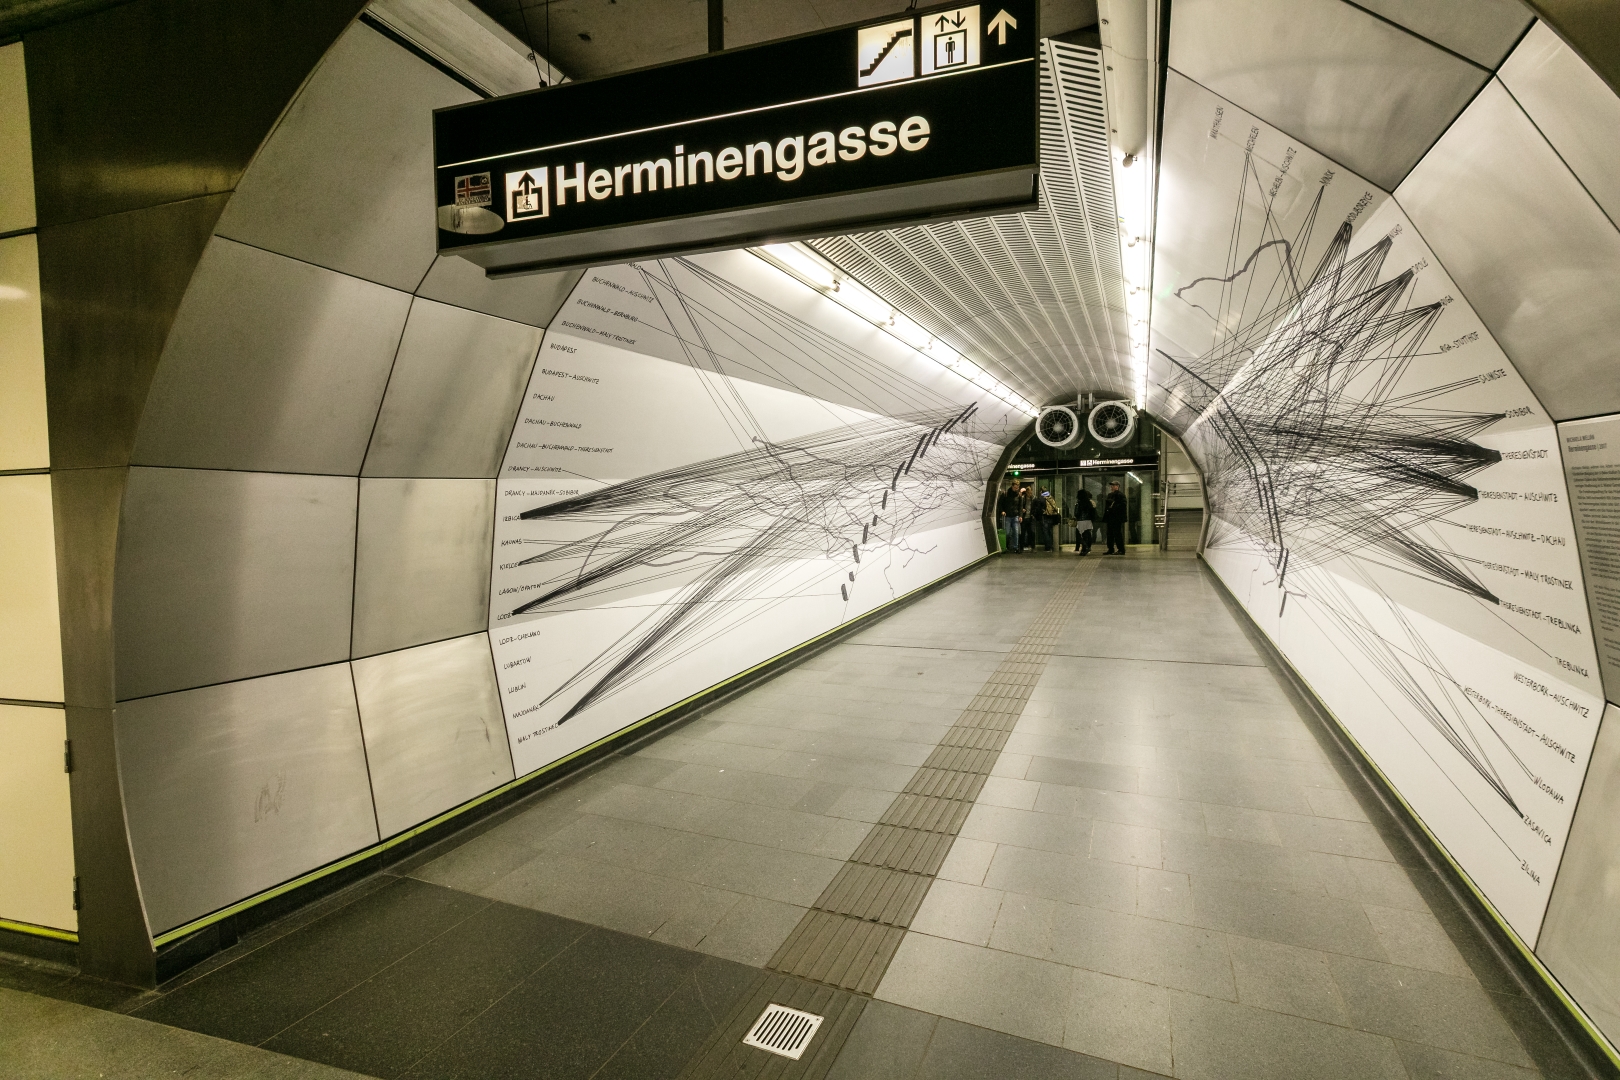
x=1387, y=496
x=713, y=464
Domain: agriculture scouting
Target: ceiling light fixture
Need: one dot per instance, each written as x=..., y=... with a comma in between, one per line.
x=799, y=262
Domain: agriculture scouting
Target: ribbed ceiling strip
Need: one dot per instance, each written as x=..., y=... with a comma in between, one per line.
x=1037, y=299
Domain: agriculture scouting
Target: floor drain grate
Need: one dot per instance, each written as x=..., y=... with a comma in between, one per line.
x=782, y=1030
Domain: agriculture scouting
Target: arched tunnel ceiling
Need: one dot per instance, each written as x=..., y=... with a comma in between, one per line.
x=1035, y=298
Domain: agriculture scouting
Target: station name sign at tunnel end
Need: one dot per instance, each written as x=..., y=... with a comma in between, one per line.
x=923, y=115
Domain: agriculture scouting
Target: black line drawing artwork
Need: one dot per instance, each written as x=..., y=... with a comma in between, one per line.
x=728, y=537
x=735, y=528
x=1317, y=450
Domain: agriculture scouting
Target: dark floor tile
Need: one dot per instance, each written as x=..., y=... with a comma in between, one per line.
x=662, y=1046
x=1431, y=1063
x=83, y=990
x=1540, y=1040
x=390, y=1021
x=274, y=987
x=887, y=1043
x=567, y=1019
x=30, y=979
x=260, y=936
x=964, y=1052
x=1427, y=1007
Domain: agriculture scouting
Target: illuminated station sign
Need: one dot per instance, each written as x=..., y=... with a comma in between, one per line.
x=924, y=115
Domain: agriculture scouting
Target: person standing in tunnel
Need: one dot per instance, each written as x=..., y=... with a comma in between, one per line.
x=1051, y=520
x=1085, y=514
x=1114, y=514
x=1026, y=507
x=1007, y=509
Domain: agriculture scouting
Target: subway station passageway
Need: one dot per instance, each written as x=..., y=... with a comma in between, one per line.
x=522, y=526
x=1167, y=869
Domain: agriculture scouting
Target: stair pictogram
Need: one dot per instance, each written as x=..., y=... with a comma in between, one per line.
x=884, y=52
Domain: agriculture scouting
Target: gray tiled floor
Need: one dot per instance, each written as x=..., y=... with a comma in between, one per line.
x=1166, y=871
x=46, y=1039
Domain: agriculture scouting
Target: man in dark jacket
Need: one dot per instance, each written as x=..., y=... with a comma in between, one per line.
x=1114, y=511
x=1026, y=508
x=1010, y=516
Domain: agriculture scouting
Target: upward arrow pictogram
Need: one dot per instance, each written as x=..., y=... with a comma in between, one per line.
x=1000, y=25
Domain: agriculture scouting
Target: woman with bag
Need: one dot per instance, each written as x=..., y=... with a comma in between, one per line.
x=1084, y=513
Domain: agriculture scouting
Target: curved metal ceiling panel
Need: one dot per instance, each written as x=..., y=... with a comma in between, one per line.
x=273, y=365
x=1573, y=107
x=1526, y=244
x=1351, y=86
x=338, y=182
x=1482, y=30
x=1037, y=298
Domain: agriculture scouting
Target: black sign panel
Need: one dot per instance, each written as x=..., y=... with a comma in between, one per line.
x=922, y=115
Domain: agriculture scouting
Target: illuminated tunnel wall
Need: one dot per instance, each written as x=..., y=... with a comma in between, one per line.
x=375, y=559
x=1384, y=325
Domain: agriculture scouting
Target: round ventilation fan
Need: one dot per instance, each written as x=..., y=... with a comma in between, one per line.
x=1112, y=423
x=1059, y=427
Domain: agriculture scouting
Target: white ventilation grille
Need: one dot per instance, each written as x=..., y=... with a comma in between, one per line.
x=783, y=1031
x=1037, y=299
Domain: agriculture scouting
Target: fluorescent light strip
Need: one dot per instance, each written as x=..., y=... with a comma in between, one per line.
x=800, y=262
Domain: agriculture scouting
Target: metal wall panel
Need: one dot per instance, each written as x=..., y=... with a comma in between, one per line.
x=1573, y=107
x=435, y=736
x=109, y=288
x=86, y=505
x=24, y=439
x=138, y=105
x=16, y=152
x=532, y=299
x=1531, y=251
x=1351, y=86
x=233, y=789
x=36, y=821
x=466, y=40
x=421, y=561
x=1578, y=942
x=30, y=625
x=273, y=365
x=455, y=389
x=1482, y=30
x=339, y=183
x=226, y=575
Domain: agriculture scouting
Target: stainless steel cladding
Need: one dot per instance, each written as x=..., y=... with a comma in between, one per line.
x=1528, y=247
x=435, y=736
x=339, y=183
x=422, y=561
x=227, y=575
x=1482, y=30
x=233, y=789
x=273, y=365
x=457, y=382
x=1577, y=939
x=533, y=299
x=1349, y=85
x=1573, y=107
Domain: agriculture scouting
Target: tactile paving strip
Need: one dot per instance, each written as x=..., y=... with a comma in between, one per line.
x=851, y=933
